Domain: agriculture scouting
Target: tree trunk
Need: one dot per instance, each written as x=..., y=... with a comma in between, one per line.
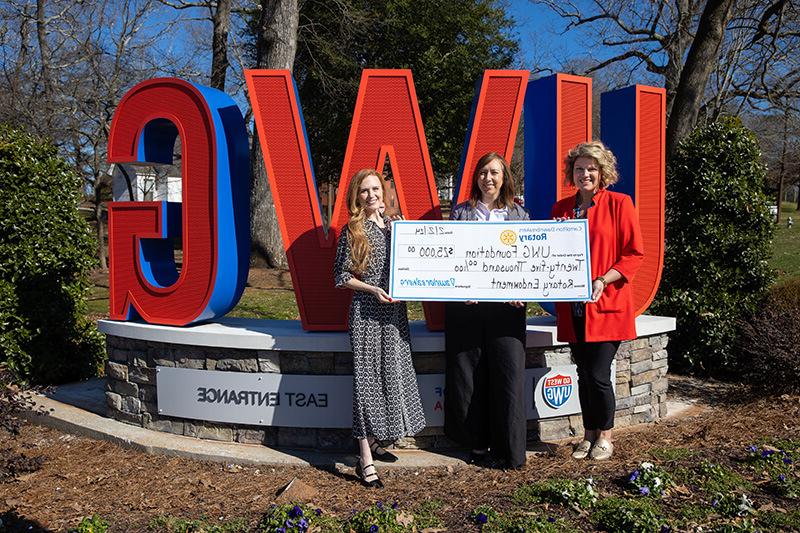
x=99, y=227
x=219, y=45
x=276, y=46
x=784, y=143
x=676, y=49
x=44, y=47
x=702, y=58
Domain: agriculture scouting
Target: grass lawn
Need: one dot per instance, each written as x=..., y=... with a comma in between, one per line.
x=786, y=244
x=277, y=304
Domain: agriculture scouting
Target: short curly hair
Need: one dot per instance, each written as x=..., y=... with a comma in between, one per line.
x=604, y=158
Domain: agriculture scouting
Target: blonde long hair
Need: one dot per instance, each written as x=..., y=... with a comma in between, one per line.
x=359, y=245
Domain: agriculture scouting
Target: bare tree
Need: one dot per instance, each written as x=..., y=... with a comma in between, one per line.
x=754, y=65
x=778, y=133
x=220, y=17
x=86, y=57
x=276, y=46
x=696, y=72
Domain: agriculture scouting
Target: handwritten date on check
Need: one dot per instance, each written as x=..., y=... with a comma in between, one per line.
x=537, y=261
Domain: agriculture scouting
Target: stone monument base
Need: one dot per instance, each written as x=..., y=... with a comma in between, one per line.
x=135, y=351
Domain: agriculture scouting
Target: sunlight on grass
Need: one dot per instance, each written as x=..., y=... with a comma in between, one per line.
x=276, y=304
x=786, y=245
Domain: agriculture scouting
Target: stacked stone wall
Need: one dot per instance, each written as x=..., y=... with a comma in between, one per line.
x=641, y=387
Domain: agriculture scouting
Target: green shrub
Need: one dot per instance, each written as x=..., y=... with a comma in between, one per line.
x=291, y=518
x=484, y=515
x=521, y=522
x=779, y=521
x=575, y=494
x=426, y=514
x=46, y=251
x=714, y=479
x=620, y=515
x=779, y=466
x=92, y=524
x=379, y=518
x=171, y=524
x=769, y=345
x=649, y=480
x=718, y=241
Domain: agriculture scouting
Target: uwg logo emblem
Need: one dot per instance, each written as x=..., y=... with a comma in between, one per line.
x=213, y=218
x=557, y=390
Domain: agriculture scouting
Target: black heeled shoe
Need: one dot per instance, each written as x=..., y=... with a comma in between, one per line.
x=382, y=454
x=368, y=475
x=479, y=458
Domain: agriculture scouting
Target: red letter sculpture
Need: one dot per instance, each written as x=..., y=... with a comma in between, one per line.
x=212, y=218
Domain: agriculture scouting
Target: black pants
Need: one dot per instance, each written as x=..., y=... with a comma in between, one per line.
x=485, y=388
x=595, y=392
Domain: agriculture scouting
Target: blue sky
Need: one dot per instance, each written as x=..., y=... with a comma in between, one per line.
x=545, y=44
x=539, y=32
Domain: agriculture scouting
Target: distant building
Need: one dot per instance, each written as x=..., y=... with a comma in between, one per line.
x=145, y=182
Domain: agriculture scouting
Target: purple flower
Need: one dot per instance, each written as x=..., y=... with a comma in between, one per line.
x=787, y=460
x=302, y=524
x=288, y=524
x=644, y=491
x=752, y=448
x=395, y=505
x=280, y=530
x=296, y=511
x=715, y=503
x=634, y=476
x=767, y=453
x=379, y=505
x=781, y=478
x=481, y=518
x=373, y=529
x=318, y=511
x=551, y=519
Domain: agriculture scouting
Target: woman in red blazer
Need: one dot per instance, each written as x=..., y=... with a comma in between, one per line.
x=594, y=329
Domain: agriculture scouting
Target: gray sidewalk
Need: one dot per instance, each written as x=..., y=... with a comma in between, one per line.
x=79, y=408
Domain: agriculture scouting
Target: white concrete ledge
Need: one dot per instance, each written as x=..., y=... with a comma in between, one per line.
x=288, y=335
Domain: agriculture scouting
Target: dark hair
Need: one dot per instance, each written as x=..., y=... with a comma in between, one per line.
x=506, y=196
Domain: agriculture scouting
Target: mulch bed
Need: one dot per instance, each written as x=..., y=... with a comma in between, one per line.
x=80, y=476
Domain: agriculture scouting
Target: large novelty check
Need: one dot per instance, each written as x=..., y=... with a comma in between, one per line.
x=533, y=260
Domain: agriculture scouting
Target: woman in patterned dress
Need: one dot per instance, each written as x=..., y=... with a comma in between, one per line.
x=386, y=404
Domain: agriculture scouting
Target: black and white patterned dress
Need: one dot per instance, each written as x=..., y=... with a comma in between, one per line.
x=386, y=402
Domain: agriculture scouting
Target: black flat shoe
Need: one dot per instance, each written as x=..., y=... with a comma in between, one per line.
x=368, y=475
x=382, y=454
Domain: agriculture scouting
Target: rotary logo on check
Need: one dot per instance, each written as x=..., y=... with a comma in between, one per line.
x=508, y=237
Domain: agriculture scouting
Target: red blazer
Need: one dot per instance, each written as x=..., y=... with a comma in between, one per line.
x=615, y=241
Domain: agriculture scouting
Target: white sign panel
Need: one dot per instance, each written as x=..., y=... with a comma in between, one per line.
x=540, y=261
x=262, y=399
x=291, y=400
